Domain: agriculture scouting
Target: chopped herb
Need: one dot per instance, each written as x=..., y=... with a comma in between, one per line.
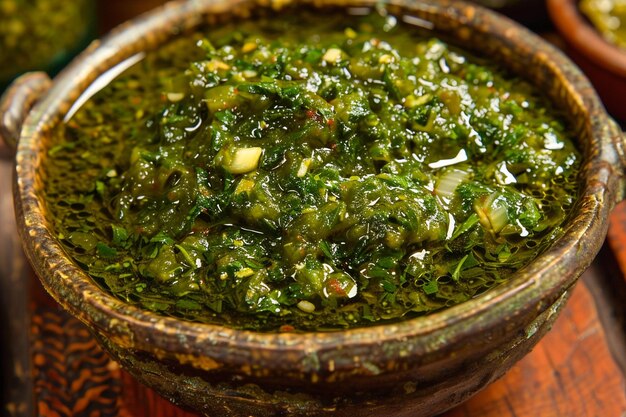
x=431, y=287
x=260, y=176
x=105, y=251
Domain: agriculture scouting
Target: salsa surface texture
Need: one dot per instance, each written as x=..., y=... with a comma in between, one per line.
x=309, y=173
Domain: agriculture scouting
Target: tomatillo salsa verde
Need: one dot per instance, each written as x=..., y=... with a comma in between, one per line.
x=311, y=174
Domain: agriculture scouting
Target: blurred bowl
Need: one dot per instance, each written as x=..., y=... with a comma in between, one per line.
x=421, y=366
x=531, y=13
x=42, y=35
x=603, y=62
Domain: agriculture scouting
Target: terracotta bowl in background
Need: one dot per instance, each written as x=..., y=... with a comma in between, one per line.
x=417, y=367
x=603, y=62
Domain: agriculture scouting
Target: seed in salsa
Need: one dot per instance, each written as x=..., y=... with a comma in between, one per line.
x=309, y=173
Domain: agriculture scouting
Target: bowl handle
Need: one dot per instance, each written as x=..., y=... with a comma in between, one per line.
x=16, y=103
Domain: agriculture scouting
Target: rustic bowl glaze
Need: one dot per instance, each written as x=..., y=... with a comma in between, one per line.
x=603, y=62
x=418, y=367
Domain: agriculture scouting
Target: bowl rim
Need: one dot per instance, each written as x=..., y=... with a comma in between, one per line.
x=534, y=288
x=584, y=37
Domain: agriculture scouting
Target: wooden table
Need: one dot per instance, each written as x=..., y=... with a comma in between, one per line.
x=52, y=367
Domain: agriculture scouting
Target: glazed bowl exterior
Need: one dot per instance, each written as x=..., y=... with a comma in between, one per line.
x=417, y=367
x=603, y=62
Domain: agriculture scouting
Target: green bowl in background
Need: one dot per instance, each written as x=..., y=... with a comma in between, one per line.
x=42, y=34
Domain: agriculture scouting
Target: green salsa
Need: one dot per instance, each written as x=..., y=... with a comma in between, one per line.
x=307, y=173
x=609, y=17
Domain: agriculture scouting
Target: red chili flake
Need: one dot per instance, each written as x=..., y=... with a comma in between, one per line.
x=335, y=286
x=331, y=122
x=332, y=146
x=286, y=328
x=313, y=115
x=135, y=100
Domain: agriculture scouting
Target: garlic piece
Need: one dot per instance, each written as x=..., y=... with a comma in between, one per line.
x=306, y=306
x=332, y=55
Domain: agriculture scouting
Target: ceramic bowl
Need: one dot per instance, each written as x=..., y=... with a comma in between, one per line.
x=417, y=367
x=603, y=62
